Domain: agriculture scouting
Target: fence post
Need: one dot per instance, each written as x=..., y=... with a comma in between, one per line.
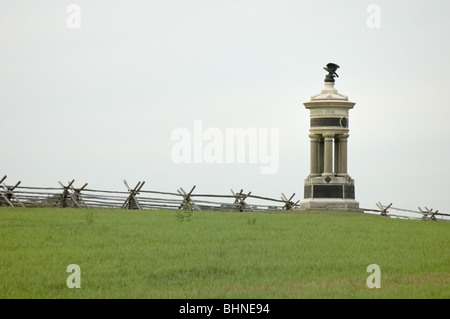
x=428, y=212
x=131, y=202
x=187, y=203
x=239, y=201
x=8, y=193
x=384, y=210
x=288, y=204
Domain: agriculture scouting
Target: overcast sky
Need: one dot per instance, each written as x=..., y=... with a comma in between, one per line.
x=99, y=103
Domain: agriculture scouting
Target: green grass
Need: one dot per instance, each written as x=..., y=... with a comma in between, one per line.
x=152, y=254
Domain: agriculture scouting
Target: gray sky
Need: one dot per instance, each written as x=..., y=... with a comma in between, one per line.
x=99, y=103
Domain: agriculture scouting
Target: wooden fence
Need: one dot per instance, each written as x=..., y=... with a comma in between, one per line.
x=135, y=198
x=422, y=213
x=138, y=198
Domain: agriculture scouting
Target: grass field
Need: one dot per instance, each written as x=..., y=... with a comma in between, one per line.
x=158, y=254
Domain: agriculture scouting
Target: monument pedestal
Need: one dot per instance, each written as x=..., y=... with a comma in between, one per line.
x=347, y=205
x=329, y=186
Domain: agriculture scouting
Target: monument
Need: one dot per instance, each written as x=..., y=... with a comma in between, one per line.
x=328, y=185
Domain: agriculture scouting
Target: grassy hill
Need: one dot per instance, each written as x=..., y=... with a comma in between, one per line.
x=167, y=254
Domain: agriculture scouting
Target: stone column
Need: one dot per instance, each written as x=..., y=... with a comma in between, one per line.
x=328, y=153
x=343, y=154
x=320, y=157
x=314, y=153
x=336, y=155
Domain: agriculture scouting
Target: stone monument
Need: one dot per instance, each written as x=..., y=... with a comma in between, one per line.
x=329, y=186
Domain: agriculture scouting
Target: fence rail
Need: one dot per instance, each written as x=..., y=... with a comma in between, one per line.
x=137, y=198
x=423, y=214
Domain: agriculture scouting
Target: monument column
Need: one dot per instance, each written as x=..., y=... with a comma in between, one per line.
x=320, y=155
x=328, y=153
x=314, y=140
x=343, y=154
x=336, y=155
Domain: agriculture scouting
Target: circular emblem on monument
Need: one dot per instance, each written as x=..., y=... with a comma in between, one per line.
x=343, y=122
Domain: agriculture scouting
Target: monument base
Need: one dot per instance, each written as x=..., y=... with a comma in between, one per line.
x=337, y=204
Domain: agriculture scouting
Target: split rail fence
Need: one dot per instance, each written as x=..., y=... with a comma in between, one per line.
x=67, y=195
